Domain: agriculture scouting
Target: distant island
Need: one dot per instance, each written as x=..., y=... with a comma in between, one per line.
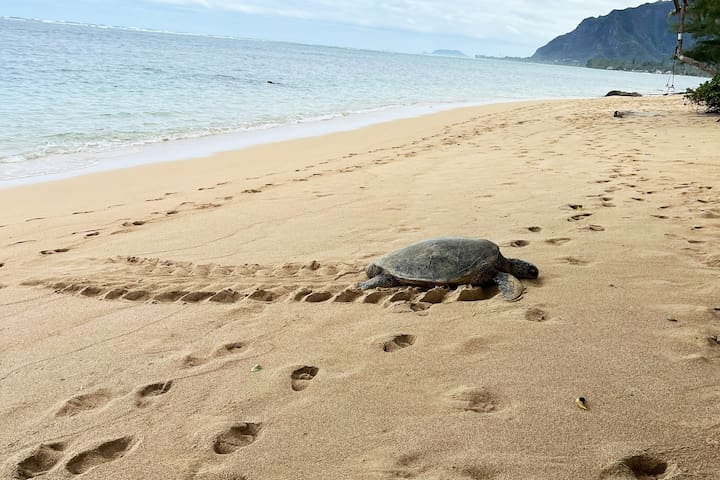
x=449, y=53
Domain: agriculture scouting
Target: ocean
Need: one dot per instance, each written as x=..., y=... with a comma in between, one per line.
x=78, y=98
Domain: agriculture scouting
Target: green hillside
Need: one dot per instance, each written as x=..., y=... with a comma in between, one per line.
x=634, y=38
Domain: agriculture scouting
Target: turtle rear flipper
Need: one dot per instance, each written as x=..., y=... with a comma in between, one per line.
x=510, y=287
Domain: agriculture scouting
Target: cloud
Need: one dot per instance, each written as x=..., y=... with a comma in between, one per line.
x=479, y=19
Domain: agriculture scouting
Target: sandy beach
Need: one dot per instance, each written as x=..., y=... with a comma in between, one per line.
x=199, y=319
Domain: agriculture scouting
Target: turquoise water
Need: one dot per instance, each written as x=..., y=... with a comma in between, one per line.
x=74, y=96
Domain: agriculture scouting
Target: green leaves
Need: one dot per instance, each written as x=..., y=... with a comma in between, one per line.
x=703, y=23
x=707, y=94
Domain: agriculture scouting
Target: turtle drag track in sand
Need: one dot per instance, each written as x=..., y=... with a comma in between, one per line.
x=154, y=280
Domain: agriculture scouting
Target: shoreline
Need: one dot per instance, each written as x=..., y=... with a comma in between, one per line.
x=206, y=146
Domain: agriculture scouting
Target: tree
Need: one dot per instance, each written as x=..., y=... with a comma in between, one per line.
x=703, y=23
x=707, y=94
x=701, y=18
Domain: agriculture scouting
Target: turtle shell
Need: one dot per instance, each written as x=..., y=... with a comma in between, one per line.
x=447, y=260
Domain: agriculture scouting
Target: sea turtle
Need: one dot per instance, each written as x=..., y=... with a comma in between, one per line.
x=450, y=261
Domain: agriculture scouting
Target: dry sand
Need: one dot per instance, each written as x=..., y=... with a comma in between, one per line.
x=115, y=362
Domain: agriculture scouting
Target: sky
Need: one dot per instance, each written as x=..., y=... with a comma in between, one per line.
x=506, y=28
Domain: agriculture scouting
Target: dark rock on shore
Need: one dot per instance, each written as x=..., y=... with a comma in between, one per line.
x=620, y=93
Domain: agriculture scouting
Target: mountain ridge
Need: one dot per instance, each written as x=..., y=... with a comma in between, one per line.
x=632, y=36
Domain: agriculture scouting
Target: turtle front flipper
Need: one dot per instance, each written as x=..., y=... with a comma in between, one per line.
x=510, y=287
x=382, y=280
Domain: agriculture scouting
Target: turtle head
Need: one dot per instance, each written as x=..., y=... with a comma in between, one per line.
x=373, y=270
x=522, y=269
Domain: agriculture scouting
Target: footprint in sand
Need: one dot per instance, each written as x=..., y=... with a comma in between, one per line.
x=578, y=217
x=42, y=460
x=478, y=400
x=82, y=403
x=300, y=378
x=144, y=396
x=472, y=345
x=536, y=314
x=519, y=243
x=399, y=342
x=190, y=361
x=595, y=228
x=534, y=229
x=418, y=465
x=231, y=348
x=712, y=261
x=558, y=240
x=238, y=436
x=574, y=261
x=640, y=466
x=103, y=453
x=57, y=250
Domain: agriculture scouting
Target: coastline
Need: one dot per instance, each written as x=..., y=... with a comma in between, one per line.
x=198, y=319
x=210, y=145
x=140, y=109
x=207, y=145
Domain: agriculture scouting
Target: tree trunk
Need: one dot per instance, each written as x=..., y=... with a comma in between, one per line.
x=702, y=66
x=678, y=49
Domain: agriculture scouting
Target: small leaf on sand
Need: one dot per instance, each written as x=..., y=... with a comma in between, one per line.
x=256, y=368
